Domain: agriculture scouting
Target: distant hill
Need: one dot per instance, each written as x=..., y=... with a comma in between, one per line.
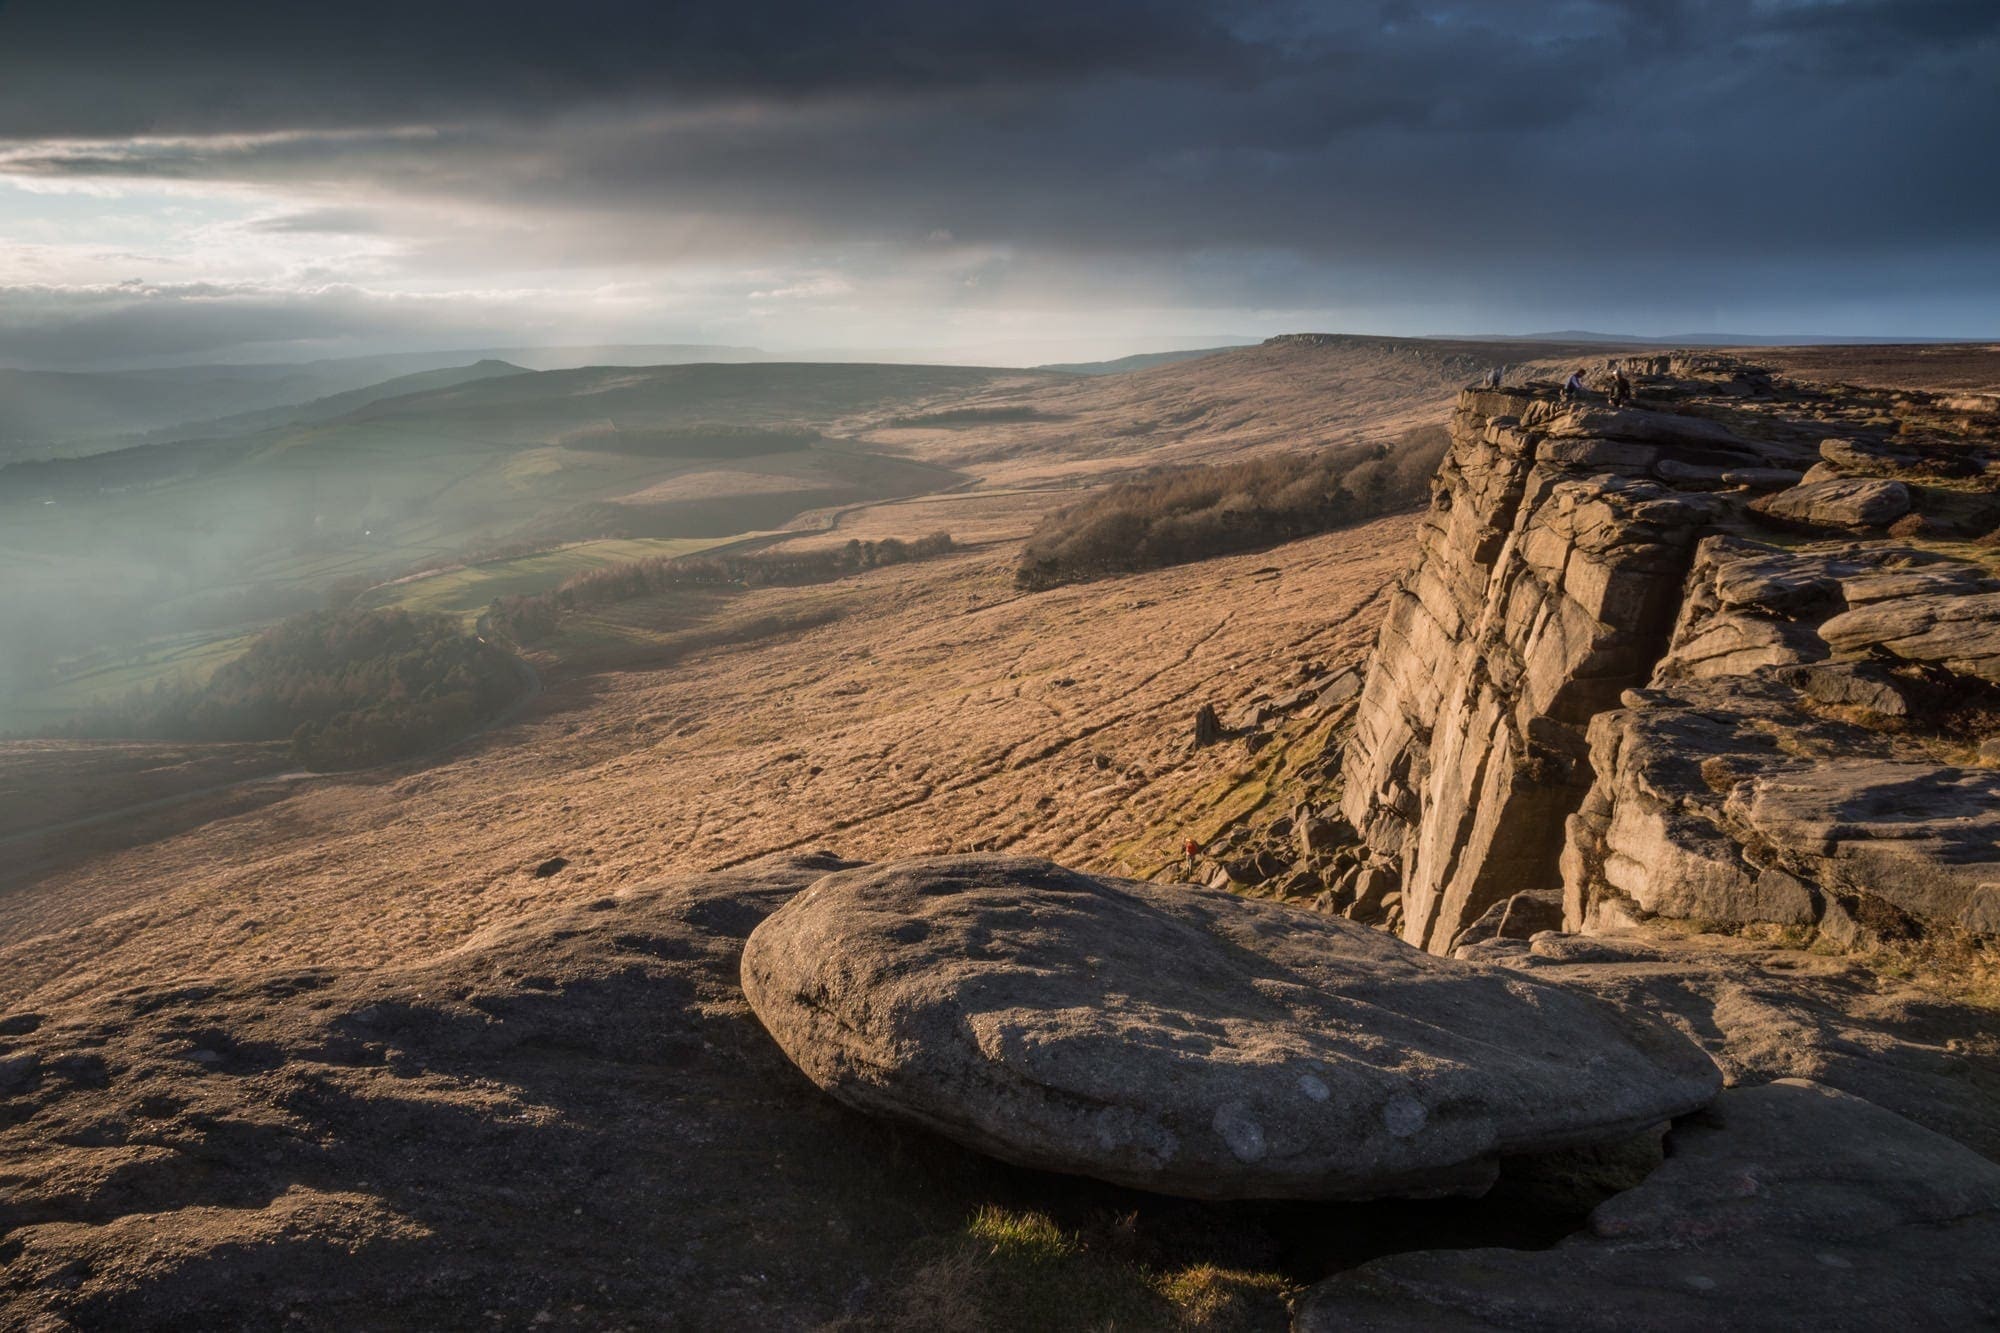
x=61, y=414
x=626, y=354
x=337, y=405
x=1142, y=361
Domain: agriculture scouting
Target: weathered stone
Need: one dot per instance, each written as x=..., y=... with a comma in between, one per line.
x=1300, y=884
x=1870, y=502
x=1790, y=1205
x=1861, y=685
x=1249, y=716
x=1881, y=458
x=1207, y=726
x=1960, y=633
x=1552, y=580
x=1521, y=917
x=1024, y=1010
x=1337, y=692
x=1764, y=1013
x=1533, y=603
x=1715, y=474
x=1373, y=884
x=1691, y=779
x=1318, y=835
x=1293, y=700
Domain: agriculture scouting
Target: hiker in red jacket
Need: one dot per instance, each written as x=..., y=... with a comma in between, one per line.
x=1191, y=850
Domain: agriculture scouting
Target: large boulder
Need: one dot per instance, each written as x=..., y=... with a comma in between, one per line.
x=1189, y=1041
x=1789, y=1205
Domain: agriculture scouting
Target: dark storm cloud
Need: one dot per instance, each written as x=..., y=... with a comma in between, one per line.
x=1705, y=151
x=109, y=69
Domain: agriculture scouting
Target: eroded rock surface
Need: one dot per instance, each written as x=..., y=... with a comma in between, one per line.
x=1617, y=669
x=571, y=1122
x=1191, y=1041
x=1767, y=1013
x=1789, y=1205
x=1786, y=764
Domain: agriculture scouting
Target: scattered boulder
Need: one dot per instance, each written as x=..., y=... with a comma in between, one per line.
x=551, y=866
x=1251, y=715
x=1789, y=1205
x=1958, y=631
x=1863, y=685
x=1374, y=882
x=1521, y=917
x=1318, y=834
x=1024, y=1010
x=1293, y=700
x=1300, y=884
x=1338, y=691
x=1207, y=726
x=1857, y=502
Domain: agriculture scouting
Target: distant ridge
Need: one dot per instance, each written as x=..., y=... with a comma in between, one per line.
x=1140, y=361
x=1700, y=339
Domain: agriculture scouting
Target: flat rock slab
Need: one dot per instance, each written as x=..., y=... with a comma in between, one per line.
x=1848, y=502
x=1789, y=1205
x=1189, y=1041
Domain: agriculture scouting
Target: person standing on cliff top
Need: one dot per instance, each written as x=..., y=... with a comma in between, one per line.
x=1574, y=387
x=1492, y=380
x=1621, y=387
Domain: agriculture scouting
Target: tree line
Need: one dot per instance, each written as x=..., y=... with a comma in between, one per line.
x=348, y=688
x=1194, y=513
x=532, y=617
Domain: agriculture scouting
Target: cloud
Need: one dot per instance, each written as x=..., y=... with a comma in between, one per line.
x=139, y=321
x=319, y=222
x=1600, y=157
x=819, y=287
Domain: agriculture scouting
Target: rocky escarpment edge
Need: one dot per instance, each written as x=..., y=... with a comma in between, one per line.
x=1727, y=656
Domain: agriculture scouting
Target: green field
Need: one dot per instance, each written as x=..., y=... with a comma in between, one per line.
x=468, y=589
x=182, y=657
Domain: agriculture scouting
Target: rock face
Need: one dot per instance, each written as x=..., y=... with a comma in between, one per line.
x=1784, y=1206
x=1549, y=574
x=1784, y=768
x=1190, y=1041
x=1603, y=674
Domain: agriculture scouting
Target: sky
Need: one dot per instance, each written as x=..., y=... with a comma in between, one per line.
x=1014, y=181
